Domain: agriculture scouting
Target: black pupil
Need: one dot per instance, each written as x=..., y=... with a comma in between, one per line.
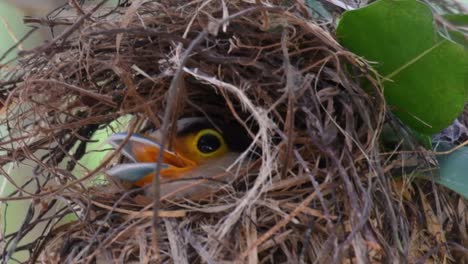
x=208, y=143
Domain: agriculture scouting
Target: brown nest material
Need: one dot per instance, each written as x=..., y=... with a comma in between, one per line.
x=323, y=190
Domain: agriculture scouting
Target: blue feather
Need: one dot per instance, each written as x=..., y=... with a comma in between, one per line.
x=117, y=139
x=133, y=172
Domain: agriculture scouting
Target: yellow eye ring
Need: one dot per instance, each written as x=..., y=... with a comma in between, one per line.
x=209, y=143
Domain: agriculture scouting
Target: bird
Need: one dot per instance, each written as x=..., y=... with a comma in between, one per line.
x=195, y=162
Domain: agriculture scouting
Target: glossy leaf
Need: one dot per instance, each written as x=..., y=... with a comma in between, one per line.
x=453, y=168
x=457, y=19
x=458, y=32
x=424, y=74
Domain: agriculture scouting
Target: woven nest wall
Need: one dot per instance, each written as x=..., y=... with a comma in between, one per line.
x=319, y=188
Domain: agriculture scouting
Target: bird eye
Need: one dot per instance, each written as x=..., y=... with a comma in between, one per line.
x=208, y=143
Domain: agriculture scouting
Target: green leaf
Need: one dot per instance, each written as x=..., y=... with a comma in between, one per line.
x=459, y=34
x=12, y=28
x=424, y=73
x=458, y=37
x=98, y=149
x=457, y=19
x=452, y=170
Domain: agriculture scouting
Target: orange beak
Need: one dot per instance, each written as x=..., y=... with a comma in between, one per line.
x=144, y=152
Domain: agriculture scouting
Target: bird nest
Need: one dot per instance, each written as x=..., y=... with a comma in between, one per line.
x=320, y=186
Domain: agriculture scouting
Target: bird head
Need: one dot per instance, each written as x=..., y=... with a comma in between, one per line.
x=199, y=150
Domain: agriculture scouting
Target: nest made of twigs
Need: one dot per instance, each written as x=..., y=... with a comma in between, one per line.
x=322, y=190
